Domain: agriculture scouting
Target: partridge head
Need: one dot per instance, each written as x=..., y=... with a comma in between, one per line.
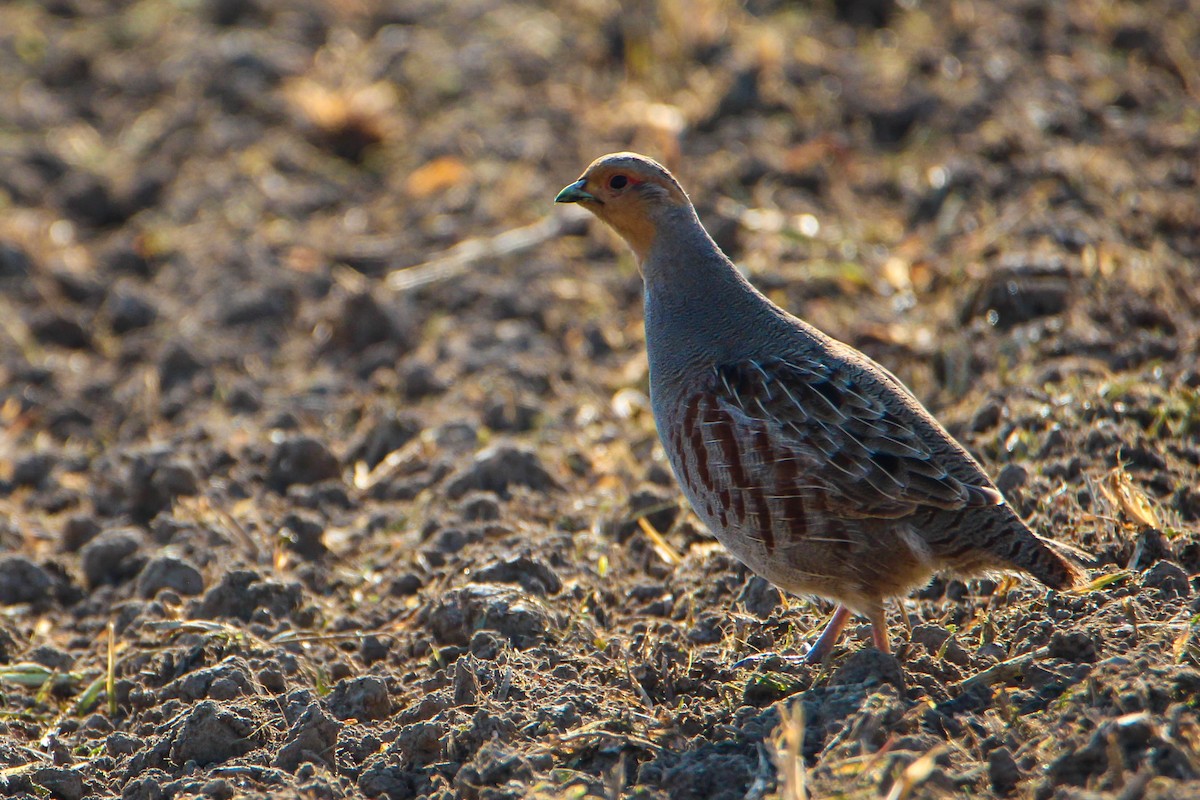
x=810, y=462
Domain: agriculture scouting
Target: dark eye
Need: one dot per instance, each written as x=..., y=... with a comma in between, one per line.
x=617, y=182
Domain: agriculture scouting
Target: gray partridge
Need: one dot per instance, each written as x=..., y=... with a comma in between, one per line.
x=810, y=462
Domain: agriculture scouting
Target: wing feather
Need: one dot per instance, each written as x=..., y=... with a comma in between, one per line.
x=866, y=453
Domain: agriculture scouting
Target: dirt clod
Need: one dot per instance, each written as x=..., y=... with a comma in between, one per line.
x=1168, y=579
x=532, y=575
x=241, y=594
x=23, y=581
x=1003, y=772
x=364, y=698
x=510, y=612
x=211, y=734
x=869, y=666
x=64, y=784
x=312, y=738
x=169, y=572
x=113, y=556
x=301, y=460
x=499, y=467
x=1074, y=646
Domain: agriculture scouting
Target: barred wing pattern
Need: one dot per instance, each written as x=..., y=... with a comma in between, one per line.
x=856, y=454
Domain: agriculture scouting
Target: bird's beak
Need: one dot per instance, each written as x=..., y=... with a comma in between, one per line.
x=574, y=193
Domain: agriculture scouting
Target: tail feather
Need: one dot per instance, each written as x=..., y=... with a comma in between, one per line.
x=1043, y=561
x=1052, y=563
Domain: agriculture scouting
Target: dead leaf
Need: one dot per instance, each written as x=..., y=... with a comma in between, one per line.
x=435, y=177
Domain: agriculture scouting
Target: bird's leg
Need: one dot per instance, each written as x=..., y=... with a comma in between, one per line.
x=828, y=638
x=879, y=633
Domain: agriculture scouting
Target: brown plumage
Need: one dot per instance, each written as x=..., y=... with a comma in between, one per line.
x=812, y=463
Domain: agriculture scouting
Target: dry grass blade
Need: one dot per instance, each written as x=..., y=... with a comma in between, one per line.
x=110, y=682
x=15, y=328
x=204, y=627
x=915, y=774
x=207, y=511
x=301, y=637
x=1187, y=644
x=661, y=546
x=366, y=478
x=1102, y=582
x=637, y=685
x=460, y=257
x=1004, y=671
x=787, y=749
x=1119, y=490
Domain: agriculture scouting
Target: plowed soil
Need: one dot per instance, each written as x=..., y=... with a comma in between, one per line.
x=326, y=465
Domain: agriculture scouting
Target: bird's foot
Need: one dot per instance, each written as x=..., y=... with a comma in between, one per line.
x=819, y=651
x=755, y=660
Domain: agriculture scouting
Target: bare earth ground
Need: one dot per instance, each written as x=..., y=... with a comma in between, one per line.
x=369, y=536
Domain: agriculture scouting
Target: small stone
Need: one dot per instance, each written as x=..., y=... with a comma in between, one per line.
x=153, y=483
x=53, y=328
x=420, y=380
x=122, y=744
x=129, y=312
x=510, y=414
x=454, y=616
x=450, y=540
x=177, y=366
x=1003, y=771
x=479, y=507
x=52, y=657
x=303, y=533
x=1168, y=579
x=272, y=303
x=14, y=261
x=312, y=738
x=364, y=698
x=362, y=321
x=534, y=576
x=33, y=469
x=405, y=585
x=112, y=556
x=987, y=417
x=210, y=734
x=660, y=506
x=935, y=638
x=301, y=460
x=497, y=468
x=169, y=572
x=381, y=437
x=1151, y=546
x=760, y=597
x=218, y=789
x=241, y=594
x=89, y=199
x=127, y=259
x=869, y=666
x=373, y=649
x=1011, y=478
x=243, y=398
x=78, y=531
x=1074, y=646
x=65, y=784
x=22, y=581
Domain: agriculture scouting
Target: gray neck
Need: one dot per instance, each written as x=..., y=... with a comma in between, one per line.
x=698, y=305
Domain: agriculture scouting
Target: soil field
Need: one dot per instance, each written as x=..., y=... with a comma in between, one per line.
x=326, y=461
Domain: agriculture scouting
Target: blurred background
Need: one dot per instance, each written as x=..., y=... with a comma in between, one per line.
x=282, y=288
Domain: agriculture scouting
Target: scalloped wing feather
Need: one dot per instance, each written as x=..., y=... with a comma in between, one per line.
x=866, y=456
